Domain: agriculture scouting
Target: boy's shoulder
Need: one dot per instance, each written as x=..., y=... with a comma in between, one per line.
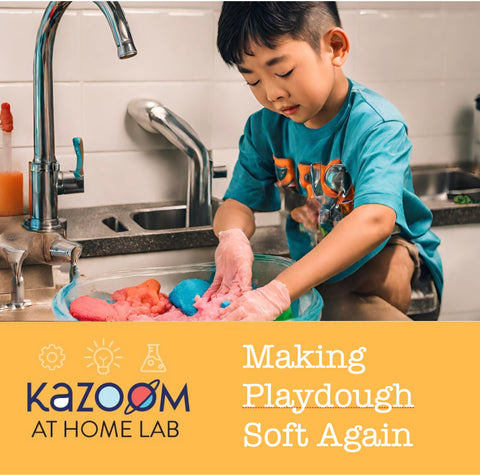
x=368, y=105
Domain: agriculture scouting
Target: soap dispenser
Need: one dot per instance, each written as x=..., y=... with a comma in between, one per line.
x=11, y=181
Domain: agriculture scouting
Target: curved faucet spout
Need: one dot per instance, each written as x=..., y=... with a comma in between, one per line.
x=118, y=23
x=44, y=169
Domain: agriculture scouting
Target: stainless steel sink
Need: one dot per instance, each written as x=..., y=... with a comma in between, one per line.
x=136, y=228
x=167, y=217
x=445, y=184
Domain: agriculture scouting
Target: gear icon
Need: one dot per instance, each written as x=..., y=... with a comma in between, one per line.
x=52, y=357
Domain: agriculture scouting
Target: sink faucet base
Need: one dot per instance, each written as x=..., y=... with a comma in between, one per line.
x=43, y=181
x=42, y=225
x=19, y=246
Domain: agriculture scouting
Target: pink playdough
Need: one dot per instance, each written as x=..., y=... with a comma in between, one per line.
x=145, y=302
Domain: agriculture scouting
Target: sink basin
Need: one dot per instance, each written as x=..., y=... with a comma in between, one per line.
x=168, y=217
x=445, y=184
x=136, y=227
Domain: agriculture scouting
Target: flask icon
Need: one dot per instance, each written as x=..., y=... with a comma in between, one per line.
x=153, y=362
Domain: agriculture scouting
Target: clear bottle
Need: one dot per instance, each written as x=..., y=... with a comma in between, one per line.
x=11, y=180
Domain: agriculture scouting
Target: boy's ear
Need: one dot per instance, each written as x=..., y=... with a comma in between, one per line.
x=337, y=40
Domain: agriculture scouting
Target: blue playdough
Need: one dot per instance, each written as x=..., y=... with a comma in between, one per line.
x=183, y=294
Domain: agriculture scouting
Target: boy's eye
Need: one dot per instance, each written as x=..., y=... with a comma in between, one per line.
x=253, y=83
x=286, y=74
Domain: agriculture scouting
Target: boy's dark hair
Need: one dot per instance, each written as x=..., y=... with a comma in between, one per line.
x=264, y=23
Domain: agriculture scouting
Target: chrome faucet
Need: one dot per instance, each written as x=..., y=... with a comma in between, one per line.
x=156, y=118
x=46, y=179
x=48, y=245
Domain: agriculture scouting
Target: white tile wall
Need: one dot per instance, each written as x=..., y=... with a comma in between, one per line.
x=421, y=55
x=109, y=128
x=232, y=104
x=400, y=45
x=130, y=177
x=172, y=45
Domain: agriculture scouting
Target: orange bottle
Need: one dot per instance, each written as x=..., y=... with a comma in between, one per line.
x=11, y=182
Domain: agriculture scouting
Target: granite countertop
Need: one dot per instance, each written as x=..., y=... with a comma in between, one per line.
x=446, y=213
x=87, y=227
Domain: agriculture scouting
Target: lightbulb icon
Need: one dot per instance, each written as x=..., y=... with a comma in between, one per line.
x=103, y=357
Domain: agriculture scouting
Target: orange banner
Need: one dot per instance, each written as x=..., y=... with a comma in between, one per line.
x=291, y=397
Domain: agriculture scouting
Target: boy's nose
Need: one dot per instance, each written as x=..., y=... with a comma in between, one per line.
x=274, y=93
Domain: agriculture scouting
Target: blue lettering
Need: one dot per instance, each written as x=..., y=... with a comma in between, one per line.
x=109, y=397
x=33, y=398
x=183, y=395
x=81, y=407
x=62, y=402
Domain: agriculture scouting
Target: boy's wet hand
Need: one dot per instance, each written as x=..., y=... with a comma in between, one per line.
x=307, y=214
x=263, y=304
x=233, y=261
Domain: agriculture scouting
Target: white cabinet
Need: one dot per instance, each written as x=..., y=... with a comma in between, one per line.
x=460, y=251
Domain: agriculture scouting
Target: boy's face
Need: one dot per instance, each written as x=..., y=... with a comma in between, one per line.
x=295, y=81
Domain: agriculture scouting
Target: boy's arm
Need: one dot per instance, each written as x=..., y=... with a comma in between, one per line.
x=359, y=233
x=364, y=229
x=232, y=214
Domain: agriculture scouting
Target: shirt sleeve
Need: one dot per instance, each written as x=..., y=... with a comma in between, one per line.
x=253, y=179
x=382, y=163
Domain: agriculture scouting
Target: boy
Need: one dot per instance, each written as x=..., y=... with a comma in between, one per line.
x=340, y=152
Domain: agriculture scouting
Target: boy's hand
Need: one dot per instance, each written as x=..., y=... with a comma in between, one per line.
x=233, y=260
x=307, y=214
x=263, y=304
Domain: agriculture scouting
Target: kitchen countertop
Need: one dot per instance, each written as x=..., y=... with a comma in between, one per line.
x=447, y=214
x=98, y=240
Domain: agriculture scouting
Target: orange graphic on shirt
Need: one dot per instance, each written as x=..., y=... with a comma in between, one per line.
x=311, y=177
x=285, y=171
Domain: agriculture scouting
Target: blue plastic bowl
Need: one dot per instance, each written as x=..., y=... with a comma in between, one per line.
x=265, y=268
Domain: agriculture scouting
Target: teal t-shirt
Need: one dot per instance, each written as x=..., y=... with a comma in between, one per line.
x=360, y=157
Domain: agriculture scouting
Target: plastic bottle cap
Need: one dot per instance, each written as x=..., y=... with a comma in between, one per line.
x=6, y=119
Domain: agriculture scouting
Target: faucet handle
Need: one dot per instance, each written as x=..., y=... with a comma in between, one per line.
x=73, y=181
x=15, y=257
x=78, y=147
x=62, y=250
